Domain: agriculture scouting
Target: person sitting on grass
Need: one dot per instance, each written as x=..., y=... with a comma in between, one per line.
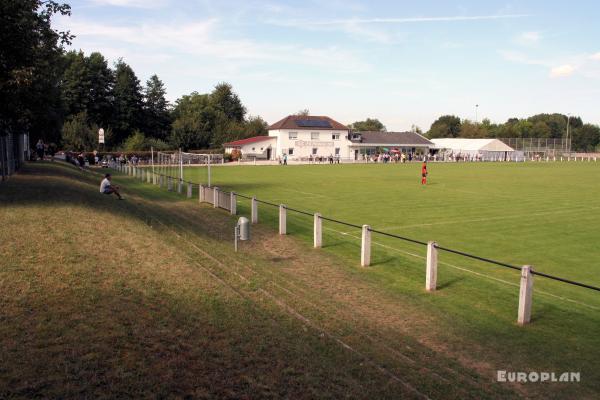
x=107, y=188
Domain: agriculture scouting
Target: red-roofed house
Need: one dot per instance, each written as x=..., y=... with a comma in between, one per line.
x=304, y=136
x=259, y=147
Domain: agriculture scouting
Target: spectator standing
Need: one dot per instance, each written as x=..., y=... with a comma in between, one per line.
x=39, y=148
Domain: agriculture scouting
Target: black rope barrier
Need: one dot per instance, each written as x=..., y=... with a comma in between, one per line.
x=399, y=237
x=488, y=260
x=299, y=211
x=341, y=222
x=556, y=278
x=267, y=203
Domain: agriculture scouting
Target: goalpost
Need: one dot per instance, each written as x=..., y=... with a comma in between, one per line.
x=173, y=163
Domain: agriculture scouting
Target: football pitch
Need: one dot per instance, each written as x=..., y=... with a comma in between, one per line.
x=540, y=214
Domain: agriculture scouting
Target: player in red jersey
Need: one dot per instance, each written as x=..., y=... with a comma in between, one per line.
x=424, y=173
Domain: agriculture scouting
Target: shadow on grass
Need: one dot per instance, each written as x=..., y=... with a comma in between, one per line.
x=450, y=282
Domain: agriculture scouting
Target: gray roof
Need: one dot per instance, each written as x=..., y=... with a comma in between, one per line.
x=391, y=138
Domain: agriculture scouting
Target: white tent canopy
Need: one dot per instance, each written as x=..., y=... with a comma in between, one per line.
x=471, y=145
x=475, y=149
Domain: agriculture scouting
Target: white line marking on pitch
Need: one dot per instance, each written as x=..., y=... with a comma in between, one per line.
x=468, y=270
x=484, y=219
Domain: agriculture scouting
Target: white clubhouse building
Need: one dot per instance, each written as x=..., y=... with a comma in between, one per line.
x=304, y=137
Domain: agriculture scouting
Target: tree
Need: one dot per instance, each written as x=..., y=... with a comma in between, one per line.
x=585, y=138
x=253, y=126
x=225, y=100
x=446, y=126
x=416, y=129
x=101, y=84
x=75, y=83
x=469, y=129
x=194, y=121
x=302, y=113
x=128, y=104
x=540, y=130
x=77, y=135
x=156, y=107
x=370, y=124
x=29, y=67
x=137, y=141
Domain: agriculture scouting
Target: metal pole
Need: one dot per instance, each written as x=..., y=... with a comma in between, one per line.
x=180, y=165
x=568, y=141
x=235, y=237
x=152, y=158
x=209, y=170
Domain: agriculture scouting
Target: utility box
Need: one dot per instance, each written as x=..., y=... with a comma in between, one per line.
x=244, y=228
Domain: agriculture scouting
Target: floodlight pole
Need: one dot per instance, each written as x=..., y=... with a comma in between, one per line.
x=476, y=116
x=568, y=141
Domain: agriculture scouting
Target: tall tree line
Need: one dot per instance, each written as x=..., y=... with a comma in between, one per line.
x=66, y=97
x=584, y=136
x=136, y=117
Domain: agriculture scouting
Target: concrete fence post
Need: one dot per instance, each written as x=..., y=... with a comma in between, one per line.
x=365, y=249
x=233, y=203
x=190, y=188
x=431, y=268
x=161, y=180
x=282, y=219
x=525, y=295
x=143, y=177
x=318, y=232
x=215, y=197
x=170, y=184
x=254, y=210
x=200, y=194
x=179, y=186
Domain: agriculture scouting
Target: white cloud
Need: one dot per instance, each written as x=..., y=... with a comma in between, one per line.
x=562, y=71
x=595, y=56
x=529, y=38
x=132, y=3
x=204, y=38
x=301, y=23
x=522, y=58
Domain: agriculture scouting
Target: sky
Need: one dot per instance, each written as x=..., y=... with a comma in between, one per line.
x=403, y=62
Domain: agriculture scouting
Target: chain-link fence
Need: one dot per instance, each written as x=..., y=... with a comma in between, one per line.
x=14, y=151
x=547, y=147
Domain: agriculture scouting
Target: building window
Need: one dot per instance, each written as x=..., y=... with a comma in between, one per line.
x=314, y=136
x=314, y=151
x=293, y=135
x=291, y=151
x=335, y=136
x=337, y=151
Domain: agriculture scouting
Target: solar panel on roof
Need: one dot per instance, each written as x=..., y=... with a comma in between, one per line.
x=313, y=123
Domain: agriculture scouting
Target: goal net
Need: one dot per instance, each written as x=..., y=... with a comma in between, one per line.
x=180, y=165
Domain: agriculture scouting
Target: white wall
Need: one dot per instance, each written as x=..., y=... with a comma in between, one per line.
x=304, y=142
x=256, y=149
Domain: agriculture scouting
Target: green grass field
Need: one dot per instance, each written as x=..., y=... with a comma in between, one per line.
x=145, y=297
x=542, y=214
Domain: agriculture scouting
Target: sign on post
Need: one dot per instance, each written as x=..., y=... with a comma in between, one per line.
x=101, y=136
